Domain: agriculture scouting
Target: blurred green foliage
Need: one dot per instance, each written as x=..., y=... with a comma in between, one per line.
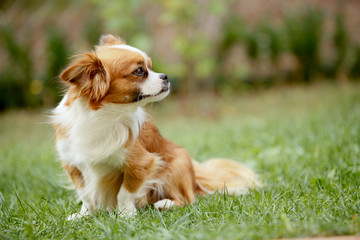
x=214, y=47
x=304, y=35
x=14, y=79
x=340, y=42
x=275, y=46
x=252, y=45
x=57, y=57
x=355, y=68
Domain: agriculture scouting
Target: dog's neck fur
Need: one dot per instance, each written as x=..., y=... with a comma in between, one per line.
x=94, y=136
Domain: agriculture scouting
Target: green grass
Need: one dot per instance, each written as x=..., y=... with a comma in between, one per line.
x=304, y=142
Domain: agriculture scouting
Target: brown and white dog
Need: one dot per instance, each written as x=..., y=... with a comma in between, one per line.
x=113, y=153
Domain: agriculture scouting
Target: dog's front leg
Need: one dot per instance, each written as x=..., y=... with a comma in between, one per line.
x=126, y=202
x=140, y=166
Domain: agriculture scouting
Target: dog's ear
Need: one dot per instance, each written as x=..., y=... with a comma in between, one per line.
x=88, y=75
x=109, y=39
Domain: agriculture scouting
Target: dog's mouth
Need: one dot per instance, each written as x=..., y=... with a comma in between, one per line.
x=163, y=91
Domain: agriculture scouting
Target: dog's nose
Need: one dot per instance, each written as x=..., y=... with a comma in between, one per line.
x=164, y=77
x=165, y=82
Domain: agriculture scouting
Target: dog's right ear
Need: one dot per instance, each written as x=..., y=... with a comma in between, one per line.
x=88, y=75
x=109, y=39
x=84, y=66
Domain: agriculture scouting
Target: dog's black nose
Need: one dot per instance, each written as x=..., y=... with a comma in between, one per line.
x=165, y=82
x=164, y=77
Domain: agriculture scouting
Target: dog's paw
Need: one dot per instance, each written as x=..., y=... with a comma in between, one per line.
x=74, y=216
x=164, y=204
x=77, y=216
x=84, y=212
x=128, y=211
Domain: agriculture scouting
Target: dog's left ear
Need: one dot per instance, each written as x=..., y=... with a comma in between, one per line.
x=110, y=39
x=88, y=74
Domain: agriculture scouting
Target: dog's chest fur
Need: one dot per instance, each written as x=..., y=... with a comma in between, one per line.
x=96, y=137
x=95, y=142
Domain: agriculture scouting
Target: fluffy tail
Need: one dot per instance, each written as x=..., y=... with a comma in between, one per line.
x=224, y=176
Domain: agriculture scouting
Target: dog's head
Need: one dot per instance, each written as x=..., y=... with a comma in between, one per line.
x=115, y=73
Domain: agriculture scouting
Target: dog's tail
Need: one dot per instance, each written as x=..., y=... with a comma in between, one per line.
x=224, y=175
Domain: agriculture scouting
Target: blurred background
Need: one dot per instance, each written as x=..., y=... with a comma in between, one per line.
x=274, y=84
x=211, y=46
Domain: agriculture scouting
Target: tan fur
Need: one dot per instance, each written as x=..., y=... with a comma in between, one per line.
x=112, y=183
x=140, y=166
x=178, y=172
x=108, y=40
x=75, y=175
x=224, y=175
x=72, y=96
x=88, y=77
x=60, y=132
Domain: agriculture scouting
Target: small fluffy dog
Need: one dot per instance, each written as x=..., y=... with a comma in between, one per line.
x=113, y=153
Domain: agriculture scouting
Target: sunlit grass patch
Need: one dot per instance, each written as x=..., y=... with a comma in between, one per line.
x=303, y=142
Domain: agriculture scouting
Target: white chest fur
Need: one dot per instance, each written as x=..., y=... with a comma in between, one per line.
x=96, y=136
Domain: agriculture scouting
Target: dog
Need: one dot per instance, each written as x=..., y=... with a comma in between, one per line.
x=112, y=152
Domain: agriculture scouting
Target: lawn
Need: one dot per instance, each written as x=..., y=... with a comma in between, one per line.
x=304, y=142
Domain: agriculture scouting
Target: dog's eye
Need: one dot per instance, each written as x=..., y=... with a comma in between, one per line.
x=139, y=71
